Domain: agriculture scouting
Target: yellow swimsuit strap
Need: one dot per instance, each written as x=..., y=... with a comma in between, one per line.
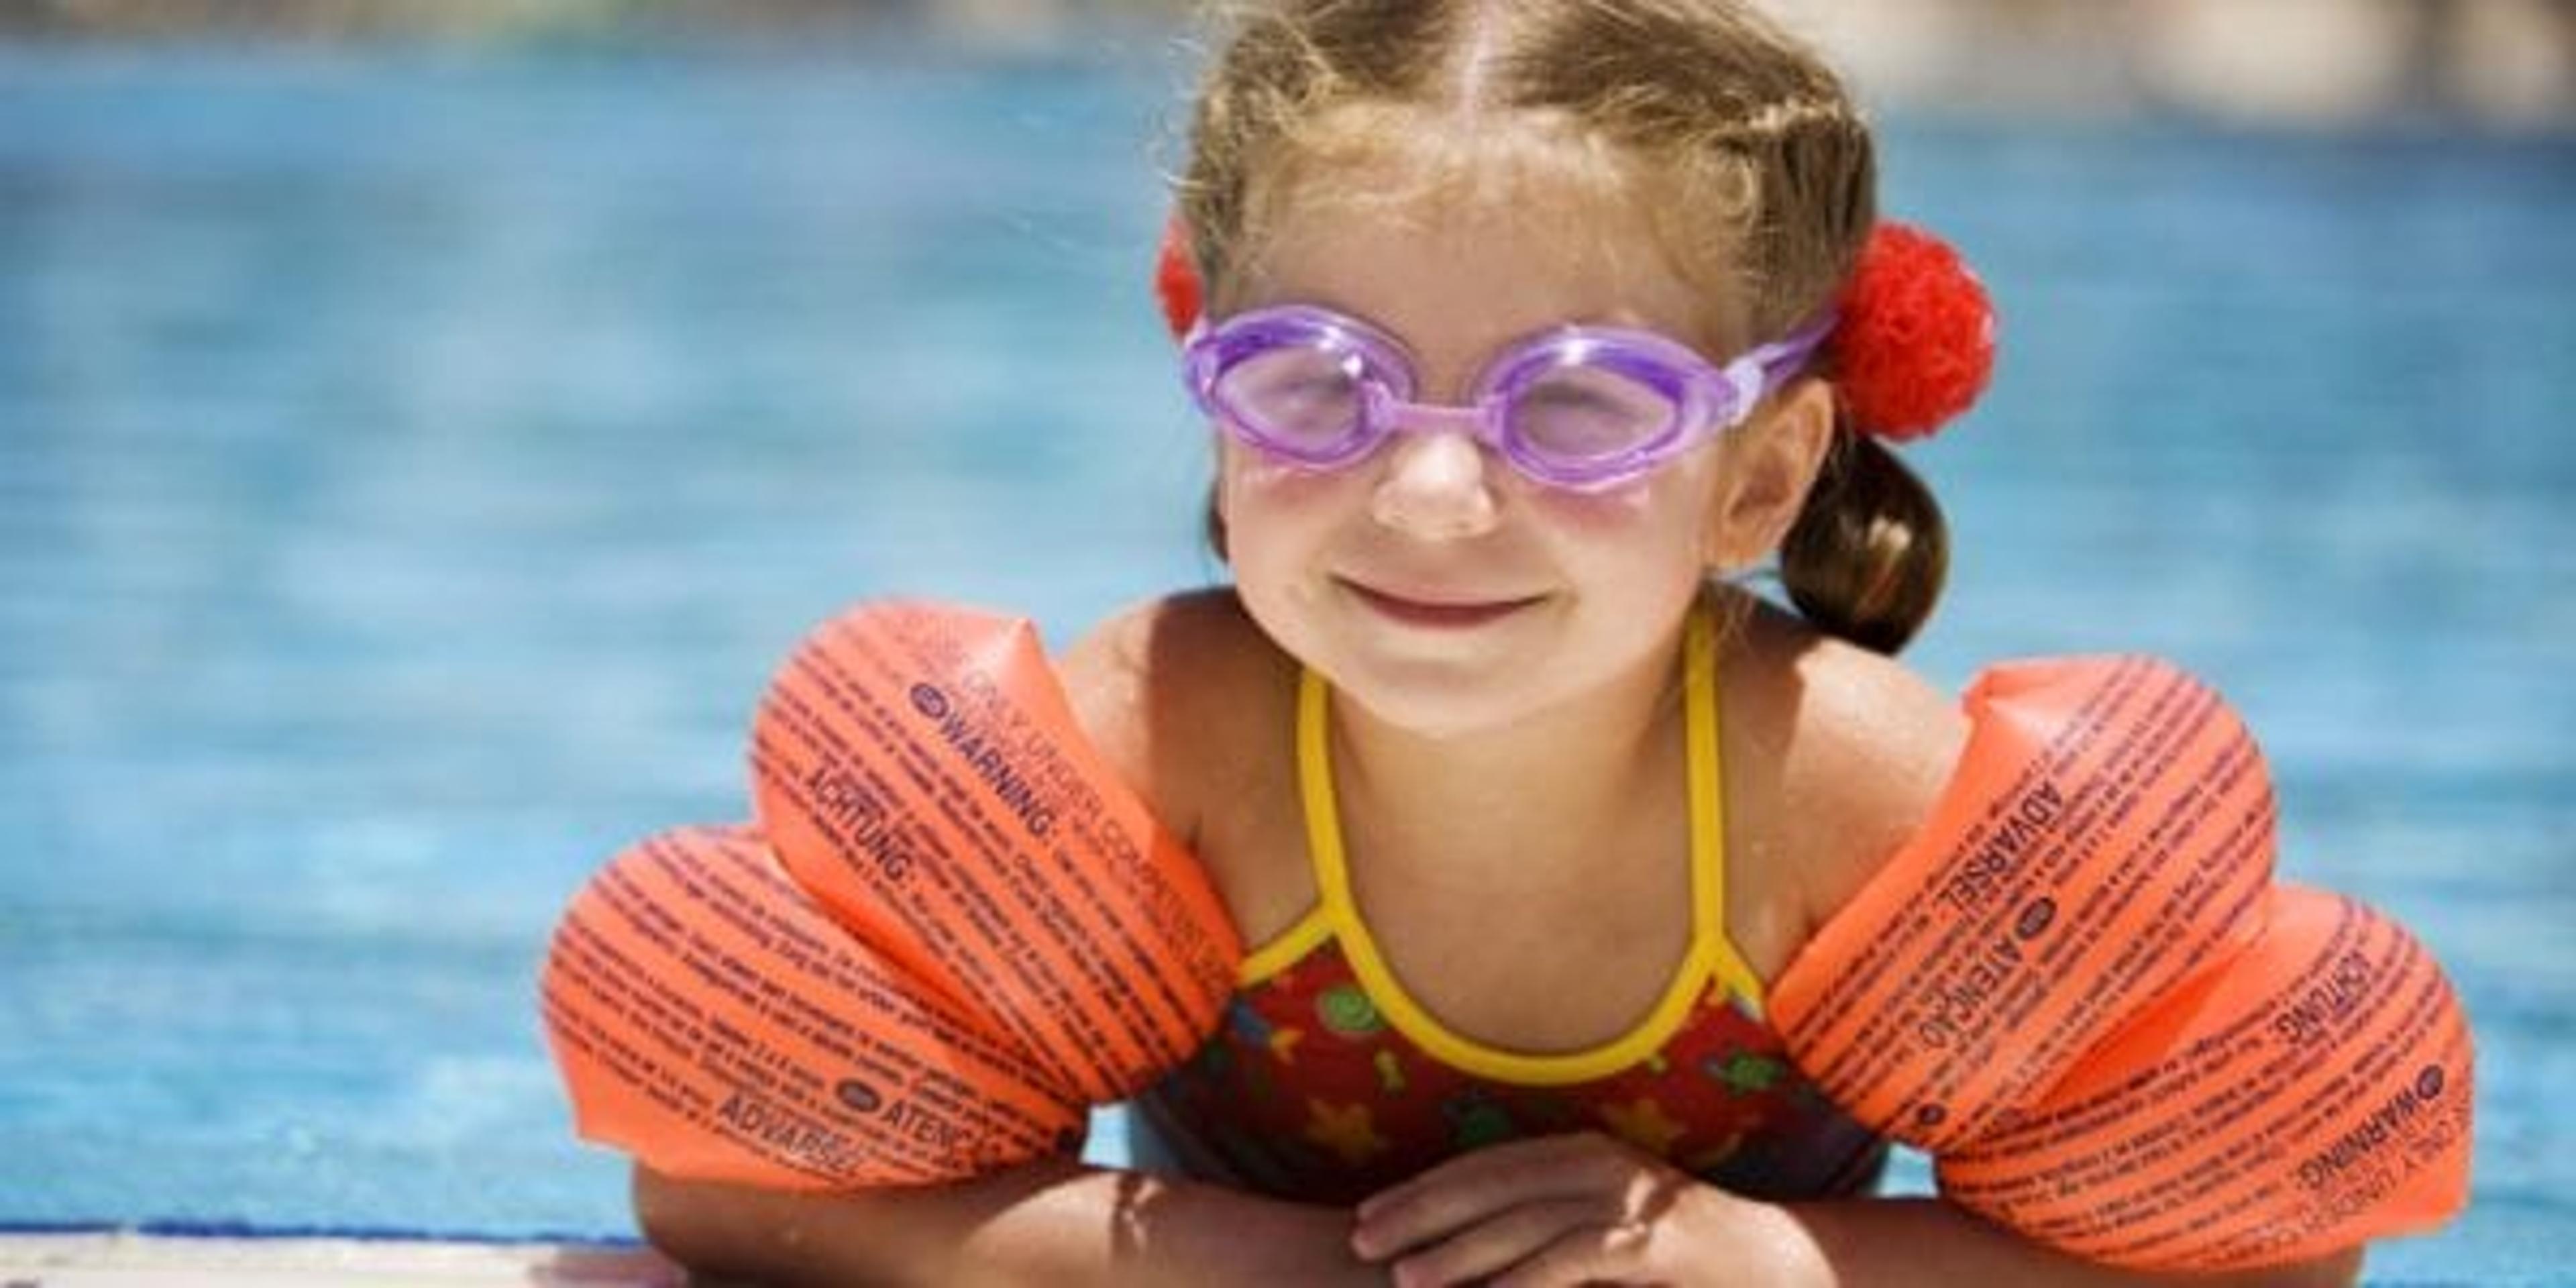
x=1712, y=952
x=1708, y=808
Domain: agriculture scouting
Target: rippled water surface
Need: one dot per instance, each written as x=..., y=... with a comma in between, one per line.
x=411, y=466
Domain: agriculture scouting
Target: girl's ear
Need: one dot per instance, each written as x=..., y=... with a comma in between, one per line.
x=1772, y=465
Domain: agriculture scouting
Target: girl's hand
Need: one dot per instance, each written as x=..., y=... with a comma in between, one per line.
x=1562, y=1210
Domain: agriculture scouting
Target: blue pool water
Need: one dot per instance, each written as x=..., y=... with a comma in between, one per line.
x=411, y=466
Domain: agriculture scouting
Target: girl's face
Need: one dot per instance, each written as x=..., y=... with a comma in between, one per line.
x=1430, y=582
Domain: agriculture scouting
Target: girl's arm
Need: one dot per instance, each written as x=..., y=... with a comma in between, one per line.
x=1584, y=1209
x=1930, y=1242
x=1056, y=1223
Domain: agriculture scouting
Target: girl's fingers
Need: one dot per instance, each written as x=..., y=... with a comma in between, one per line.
x=1601, y=1254
x=1497, y=1244
x=1665, y=1234
x=1473, y=1187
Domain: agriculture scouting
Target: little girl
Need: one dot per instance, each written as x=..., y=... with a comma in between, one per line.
x=1513, y=342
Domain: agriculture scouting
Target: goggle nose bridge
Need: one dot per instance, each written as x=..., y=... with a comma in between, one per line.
x=1399, y=415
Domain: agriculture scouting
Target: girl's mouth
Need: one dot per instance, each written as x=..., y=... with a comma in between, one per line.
x=1432, y=614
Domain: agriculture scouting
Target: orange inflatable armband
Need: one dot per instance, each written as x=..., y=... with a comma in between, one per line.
x=922, y=775
x=711, y=1020
x=2078, y=987
x=952, y=930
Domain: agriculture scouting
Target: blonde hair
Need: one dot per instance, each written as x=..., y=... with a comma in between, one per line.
x=1754, y=164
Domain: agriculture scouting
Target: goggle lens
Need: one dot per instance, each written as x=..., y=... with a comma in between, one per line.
x=1308, y=401
x=1581, y=416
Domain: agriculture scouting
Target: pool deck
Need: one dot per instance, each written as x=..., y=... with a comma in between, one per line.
x=124, y=1259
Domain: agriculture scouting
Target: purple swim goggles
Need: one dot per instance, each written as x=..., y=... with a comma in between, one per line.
x=1580, y=408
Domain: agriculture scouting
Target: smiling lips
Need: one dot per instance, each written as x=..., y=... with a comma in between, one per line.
x=1437, y=614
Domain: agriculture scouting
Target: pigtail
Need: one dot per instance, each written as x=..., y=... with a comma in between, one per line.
x=1869, y=553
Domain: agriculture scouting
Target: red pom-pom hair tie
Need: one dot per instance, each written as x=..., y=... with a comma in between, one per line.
x=1915, y=342
x=1176, y=279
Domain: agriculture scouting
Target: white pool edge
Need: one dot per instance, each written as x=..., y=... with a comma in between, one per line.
x=133, y=1259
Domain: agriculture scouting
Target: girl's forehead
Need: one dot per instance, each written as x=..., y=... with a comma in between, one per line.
x=1442, y=167
x=1509, y=216
x=1497, y=261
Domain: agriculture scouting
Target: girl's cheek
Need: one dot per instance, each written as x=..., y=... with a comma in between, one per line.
x=1650, y=510
x=1255, y=490
x=1264, y=480
x=1605, y=511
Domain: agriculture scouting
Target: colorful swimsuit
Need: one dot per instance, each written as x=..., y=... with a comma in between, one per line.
x=1328, y=1082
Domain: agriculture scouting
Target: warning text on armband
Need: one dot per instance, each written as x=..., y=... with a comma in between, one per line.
x=992, y=762
x=1975, y=973
x=2312, y=1016
x=1953, y=1010
x=2402, y=1115
x=2018, y=830
x=789, y=1136
x=794, y=1137
x=839, y=798
x=1022, y=765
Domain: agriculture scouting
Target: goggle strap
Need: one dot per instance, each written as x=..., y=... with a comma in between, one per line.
x=1781, y=360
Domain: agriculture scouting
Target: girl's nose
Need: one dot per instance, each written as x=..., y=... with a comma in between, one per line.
x=1435, y=487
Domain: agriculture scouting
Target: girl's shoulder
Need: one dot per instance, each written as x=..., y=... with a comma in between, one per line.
x=1186, y=697
x=1835, y=756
